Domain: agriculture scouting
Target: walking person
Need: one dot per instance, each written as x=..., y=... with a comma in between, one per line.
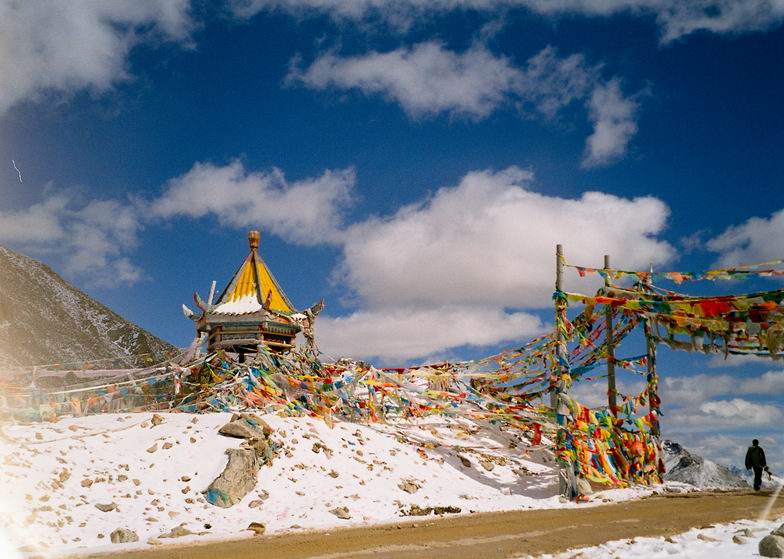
x=755, y=459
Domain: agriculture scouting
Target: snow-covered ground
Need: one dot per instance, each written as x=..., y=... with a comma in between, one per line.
x=153, y=476
x=736, y=540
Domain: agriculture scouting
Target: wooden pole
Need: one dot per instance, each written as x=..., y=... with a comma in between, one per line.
x=653, y=377
x=559, y=336
x=612, y=395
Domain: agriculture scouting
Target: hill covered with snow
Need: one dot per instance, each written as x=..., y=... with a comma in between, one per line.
x=686, y=467
x=44, y=319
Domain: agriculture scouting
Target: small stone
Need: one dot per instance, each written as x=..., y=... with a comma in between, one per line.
x=136, y=482
x=257, y=528
x=177, y=532
x=738, y=539
x=106, y=507
x=409, y=486
x=122, y=477
x=256, y=503
x=87, y=482
x=705, y=538
x=341, y=512
x=153, y=448
x=466, y=462
x=167, y=445
x=487, y=465
x=186, y=479
x=156, y=420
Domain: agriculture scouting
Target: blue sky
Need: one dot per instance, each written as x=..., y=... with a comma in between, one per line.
x=414, y=163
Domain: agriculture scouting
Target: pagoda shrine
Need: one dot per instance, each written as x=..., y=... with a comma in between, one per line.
x=253, y=311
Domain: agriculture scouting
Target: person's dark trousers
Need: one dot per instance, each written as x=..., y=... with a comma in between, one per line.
x=757, y=477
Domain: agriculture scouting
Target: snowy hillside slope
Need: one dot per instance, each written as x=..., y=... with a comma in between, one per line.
x=695, y=470
x=44, y=319
x=150, y=478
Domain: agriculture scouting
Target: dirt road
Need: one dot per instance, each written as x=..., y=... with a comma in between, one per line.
x=489, y=536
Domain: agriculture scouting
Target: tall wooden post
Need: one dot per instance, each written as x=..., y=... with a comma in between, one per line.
x=612, y=395
x=653, y=377
x=555, y=390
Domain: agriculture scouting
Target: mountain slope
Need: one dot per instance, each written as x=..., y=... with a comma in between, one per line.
x=695, y=470
x=44, y=319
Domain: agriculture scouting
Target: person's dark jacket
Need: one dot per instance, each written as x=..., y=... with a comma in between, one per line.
x=755, y=457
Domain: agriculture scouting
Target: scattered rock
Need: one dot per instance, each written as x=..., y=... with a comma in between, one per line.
x=738, y=539
x=123, y=535
x=246, y=426
x=771, y=546
x=257, y=528
x=256, y=503
x=156, y=420
x=341, y=512
x=466, y=462
x=87, y=482
x=409, y=486
x=745, y=532
x=705, y=538
x=153, y=448
x=185, y=479
x=177, y=532
x=167, y=445
x=106, y=508
x=584, y=486
x=487, y=465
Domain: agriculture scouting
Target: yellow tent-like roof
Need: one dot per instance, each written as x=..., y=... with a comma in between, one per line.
x=252, y=285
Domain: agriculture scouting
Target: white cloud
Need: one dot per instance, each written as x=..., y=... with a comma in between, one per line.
x=718, y=361
x=614, y=125
x=736, y=411
x=401, y=333
x=424, y=79
x=308, y=211
x=756, y=240
x=491, y=240
x=428, y=79
x=694, y=390
x=92, y=239
x=61, y=47
x=676, y=18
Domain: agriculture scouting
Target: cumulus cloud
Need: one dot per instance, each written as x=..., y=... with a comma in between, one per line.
x=428, y=79
x=307, y=211
x=93, y=239
x=614, y=125
x=424, y=79
x=736, y=411
x=61, y=47
x=697, y=389
x=675, y=18
x=756, y=240
x=491, y=240
x=410, y=333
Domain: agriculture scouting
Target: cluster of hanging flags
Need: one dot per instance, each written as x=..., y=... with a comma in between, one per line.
x=616, y=447
x=764, y=269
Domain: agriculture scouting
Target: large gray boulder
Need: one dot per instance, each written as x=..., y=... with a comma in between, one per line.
x=771, y=546
x=237, y=480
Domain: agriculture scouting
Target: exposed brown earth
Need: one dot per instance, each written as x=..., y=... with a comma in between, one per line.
x=489, y=536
